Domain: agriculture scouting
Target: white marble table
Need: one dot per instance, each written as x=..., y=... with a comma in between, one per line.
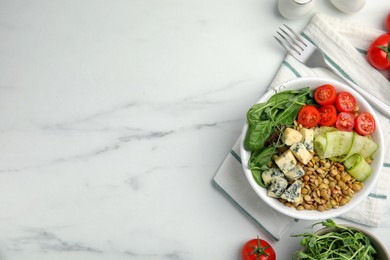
x=115, y=116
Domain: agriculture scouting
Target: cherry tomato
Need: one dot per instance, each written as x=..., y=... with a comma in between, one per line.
x=345, y=121
x=387, y=23
x=365, y=124
x=325, y=95
x=378, y=52
x=257, y=249
x=328, y=115
x=308, y=116
x=345, y=102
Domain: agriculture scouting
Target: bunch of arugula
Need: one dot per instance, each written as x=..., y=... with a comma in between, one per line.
x=343, y=243
x=267, y=118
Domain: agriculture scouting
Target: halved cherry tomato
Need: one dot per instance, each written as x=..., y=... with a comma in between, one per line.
x=387, y=23
x=328, y=115
x=325, y=95
x=257, y=249
x=345, y=121
x=308, y=116
x=345, y=102
x=365, y=124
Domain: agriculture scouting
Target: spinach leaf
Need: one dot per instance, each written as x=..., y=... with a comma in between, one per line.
x=289, y=114
x=279, y=100
x=263, y=158
x=254, y=114
x=258, y=163
x=257, y=134
x=266, y=118
x=257, y=176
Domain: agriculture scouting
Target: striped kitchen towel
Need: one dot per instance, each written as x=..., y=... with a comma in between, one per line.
x=344, y=45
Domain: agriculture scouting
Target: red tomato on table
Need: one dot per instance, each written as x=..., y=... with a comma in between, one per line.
x=345, y=102
x=378, y=52
x=257, y=249
x=387, y=23
x=328, y=115
x=308, y=116
x=325, y=95
x=345, y=121
x=365, y=124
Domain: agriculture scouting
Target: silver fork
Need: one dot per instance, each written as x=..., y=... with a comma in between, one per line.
x=308, y=54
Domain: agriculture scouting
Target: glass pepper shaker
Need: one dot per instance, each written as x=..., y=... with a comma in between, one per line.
x=348, y=6
x=294, y=9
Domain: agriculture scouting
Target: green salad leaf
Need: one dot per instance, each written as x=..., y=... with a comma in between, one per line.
x=342, y=243
x=267, y=118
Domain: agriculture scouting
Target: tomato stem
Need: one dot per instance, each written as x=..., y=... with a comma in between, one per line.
x=259, y=250
x=386, y=49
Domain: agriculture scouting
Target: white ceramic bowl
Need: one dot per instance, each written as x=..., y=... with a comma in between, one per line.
x=376, y=165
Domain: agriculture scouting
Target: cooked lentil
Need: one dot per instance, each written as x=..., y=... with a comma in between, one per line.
x=326, y=184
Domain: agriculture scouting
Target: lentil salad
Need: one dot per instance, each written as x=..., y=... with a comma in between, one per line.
x=318, y=182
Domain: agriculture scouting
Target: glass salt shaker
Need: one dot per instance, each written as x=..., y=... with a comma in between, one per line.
x=294, y=9
x=348, y=6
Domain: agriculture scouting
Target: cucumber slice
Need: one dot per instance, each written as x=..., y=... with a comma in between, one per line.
x=352, y=160
x=338, y=143
x=324, y=129
x=358, y=167
x=320, y=145
x=363, y=146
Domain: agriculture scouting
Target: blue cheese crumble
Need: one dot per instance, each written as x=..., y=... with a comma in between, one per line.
x=277, y=187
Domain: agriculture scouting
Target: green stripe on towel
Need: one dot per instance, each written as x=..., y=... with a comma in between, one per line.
x=362, y=51
x=296, y=73
x=235, y=155
x=377, y=196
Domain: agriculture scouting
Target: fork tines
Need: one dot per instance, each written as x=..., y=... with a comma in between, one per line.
x=290, y=40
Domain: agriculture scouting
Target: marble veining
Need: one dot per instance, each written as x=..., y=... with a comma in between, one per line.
x=48, y=241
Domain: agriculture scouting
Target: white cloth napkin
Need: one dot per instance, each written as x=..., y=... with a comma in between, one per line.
x=344, y=45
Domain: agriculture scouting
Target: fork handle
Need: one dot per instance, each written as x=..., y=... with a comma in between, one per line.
x=374, y=101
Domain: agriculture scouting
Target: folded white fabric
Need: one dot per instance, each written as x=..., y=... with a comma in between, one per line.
x=344, y=45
